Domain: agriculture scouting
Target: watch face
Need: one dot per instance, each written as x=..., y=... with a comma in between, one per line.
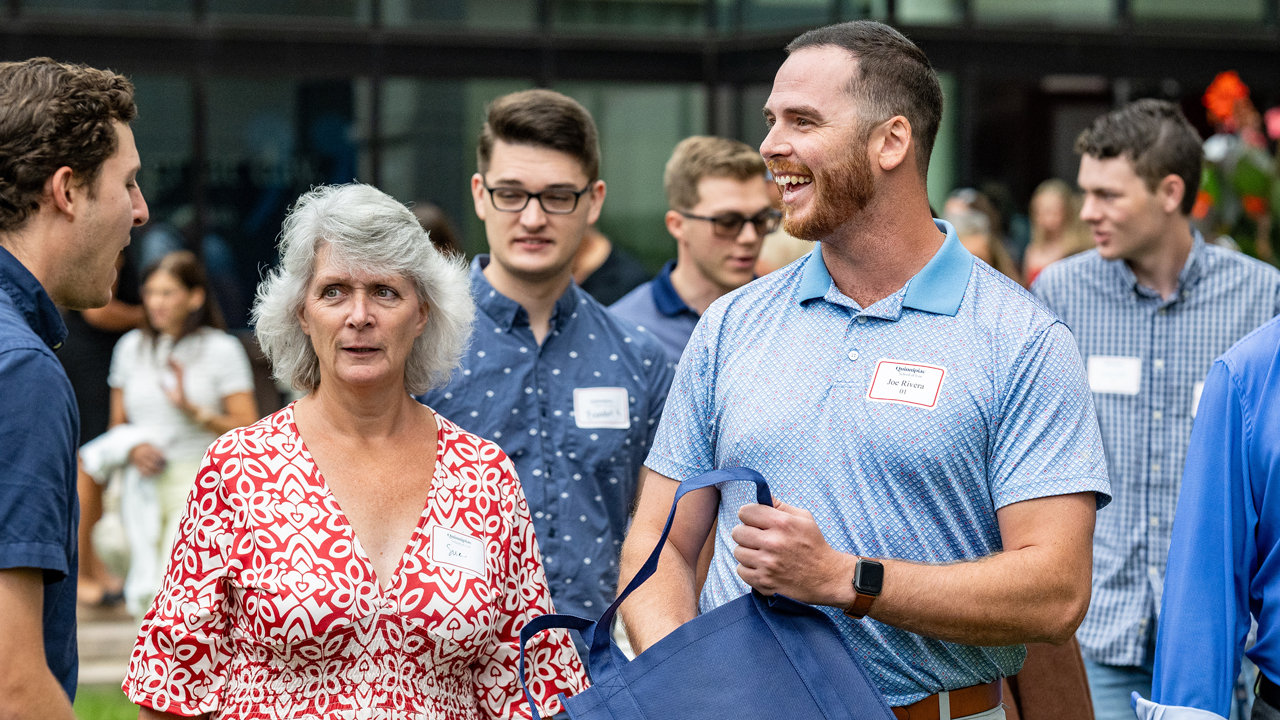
x=869, y=577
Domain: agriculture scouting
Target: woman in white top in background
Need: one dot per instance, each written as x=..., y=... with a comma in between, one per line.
x=179, y=382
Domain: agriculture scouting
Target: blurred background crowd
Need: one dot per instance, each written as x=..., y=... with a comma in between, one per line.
x=243, y=105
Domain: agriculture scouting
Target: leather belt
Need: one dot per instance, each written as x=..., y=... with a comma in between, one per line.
x=1268, y=691
x=964, y=702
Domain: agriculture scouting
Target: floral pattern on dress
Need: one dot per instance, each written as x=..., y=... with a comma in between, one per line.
x=271, y=609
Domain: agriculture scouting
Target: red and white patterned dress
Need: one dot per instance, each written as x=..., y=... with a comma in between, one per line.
x=270, y=607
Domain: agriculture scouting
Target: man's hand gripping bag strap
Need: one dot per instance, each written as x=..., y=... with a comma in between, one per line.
x=797, y=638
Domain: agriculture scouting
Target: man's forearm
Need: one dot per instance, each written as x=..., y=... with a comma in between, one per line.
x=1005, y=599
x=665, y=602
x=36, y=696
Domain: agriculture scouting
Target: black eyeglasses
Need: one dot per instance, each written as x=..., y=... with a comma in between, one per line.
x=556, y=201
x=729, y=225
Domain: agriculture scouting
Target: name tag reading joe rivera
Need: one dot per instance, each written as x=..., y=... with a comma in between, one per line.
x=909, y=383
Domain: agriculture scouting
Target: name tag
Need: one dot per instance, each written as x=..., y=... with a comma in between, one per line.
x=601, y=407
x=906, y=382
x=1115, y=375
x=1196, y=390
x=457, y=550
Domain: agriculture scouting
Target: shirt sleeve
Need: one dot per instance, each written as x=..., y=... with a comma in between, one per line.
x=231, y=369
x=180, y=660
x=684, y=445
x=551, y=662
x=37, y=464
x=123, y=359
x=1047, y=441
x=1204, y=617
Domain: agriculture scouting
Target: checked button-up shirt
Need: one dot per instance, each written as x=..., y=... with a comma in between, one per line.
x=576, y=415
x=1147, y=359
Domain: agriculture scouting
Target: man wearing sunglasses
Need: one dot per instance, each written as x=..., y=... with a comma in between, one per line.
x=570, y=393
x=720, y=213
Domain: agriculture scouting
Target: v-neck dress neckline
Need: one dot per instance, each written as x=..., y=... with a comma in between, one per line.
x=415, y=536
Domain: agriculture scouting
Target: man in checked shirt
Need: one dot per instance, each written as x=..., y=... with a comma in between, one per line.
x=1150, y=308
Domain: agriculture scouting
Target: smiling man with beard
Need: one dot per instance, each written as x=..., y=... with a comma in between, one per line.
x=925, y=424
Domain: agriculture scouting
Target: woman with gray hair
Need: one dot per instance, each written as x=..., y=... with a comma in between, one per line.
x=355, y=554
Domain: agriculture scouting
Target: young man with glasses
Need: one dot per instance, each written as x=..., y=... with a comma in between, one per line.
x=720, y=212
x=569, y=392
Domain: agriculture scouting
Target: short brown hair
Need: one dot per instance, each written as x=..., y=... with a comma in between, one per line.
x=1157, y=139
x=542, y=118
x=705, y=156
x=54, y=115
x=894, y=77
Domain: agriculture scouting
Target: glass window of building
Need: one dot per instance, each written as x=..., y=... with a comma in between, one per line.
x=1219, y=10
x=622, y=16
x=640, y=124
x=1053, y=12
x=471, y=14
x=176, y=9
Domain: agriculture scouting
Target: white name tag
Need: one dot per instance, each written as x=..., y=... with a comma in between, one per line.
x=906, y=382
x=457, y=550
x=1196, y=390
x=1115, y=375
x=601, y=407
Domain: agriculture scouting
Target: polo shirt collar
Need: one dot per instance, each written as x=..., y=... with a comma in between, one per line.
x=30, y=298
x=665, y=297
x=938, y=288
x=508, y=313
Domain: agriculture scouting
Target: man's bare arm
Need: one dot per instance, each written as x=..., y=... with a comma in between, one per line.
x=1036, y=590
x=668, y=599
x=27, y=688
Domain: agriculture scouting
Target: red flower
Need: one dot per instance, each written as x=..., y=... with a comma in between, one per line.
x=1221, y=96
x=1253, y=205
x=1204, y=202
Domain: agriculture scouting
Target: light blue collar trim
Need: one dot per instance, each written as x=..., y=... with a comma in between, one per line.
x=938, y=288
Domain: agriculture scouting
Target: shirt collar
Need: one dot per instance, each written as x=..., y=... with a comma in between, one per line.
x=1192, y=271
x=507, y=312
x=665, y=297
x=31, y=300
x=938, y=288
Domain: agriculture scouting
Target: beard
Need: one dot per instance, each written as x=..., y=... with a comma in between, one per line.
x=840, y=193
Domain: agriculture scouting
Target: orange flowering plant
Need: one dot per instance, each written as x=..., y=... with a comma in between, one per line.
x=1239, y=190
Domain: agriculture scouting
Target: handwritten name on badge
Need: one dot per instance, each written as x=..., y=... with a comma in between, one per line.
x=601, y=407
x=457, y=550
x=906, y=382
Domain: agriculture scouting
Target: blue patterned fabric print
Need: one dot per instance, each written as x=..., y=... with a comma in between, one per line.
x=580, y=481
x=1222, y=296
x=777, y=377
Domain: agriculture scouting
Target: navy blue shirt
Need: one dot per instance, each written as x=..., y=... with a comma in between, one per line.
x=657, y=308
x=39, y=430
x=576, y=415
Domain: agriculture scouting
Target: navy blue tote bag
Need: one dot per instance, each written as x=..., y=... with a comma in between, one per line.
x=753, y=658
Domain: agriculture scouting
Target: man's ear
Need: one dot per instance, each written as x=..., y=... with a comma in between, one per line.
x=1170, y=193
x=597, y=201
x=62, y=191
x=891, y=142
x=477, y=195
x=675, y=225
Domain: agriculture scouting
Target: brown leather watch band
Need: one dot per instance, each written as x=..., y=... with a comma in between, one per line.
x=861, y=606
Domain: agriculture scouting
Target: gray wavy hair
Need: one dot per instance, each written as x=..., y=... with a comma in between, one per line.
x=368, y=231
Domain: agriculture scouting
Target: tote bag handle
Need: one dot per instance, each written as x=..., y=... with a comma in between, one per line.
x=603, y=657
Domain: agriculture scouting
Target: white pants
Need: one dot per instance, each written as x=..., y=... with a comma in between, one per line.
x=151, y=508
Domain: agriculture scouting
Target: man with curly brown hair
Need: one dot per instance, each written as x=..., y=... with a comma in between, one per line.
x=68, y=199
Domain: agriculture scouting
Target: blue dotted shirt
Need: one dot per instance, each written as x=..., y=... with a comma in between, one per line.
x=578, y=474
x=777, y=377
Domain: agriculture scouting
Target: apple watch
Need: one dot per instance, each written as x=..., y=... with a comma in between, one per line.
x=868, y=579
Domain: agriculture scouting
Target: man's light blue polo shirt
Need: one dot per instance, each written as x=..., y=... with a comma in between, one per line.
x=782, y=375
x=659, y=309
